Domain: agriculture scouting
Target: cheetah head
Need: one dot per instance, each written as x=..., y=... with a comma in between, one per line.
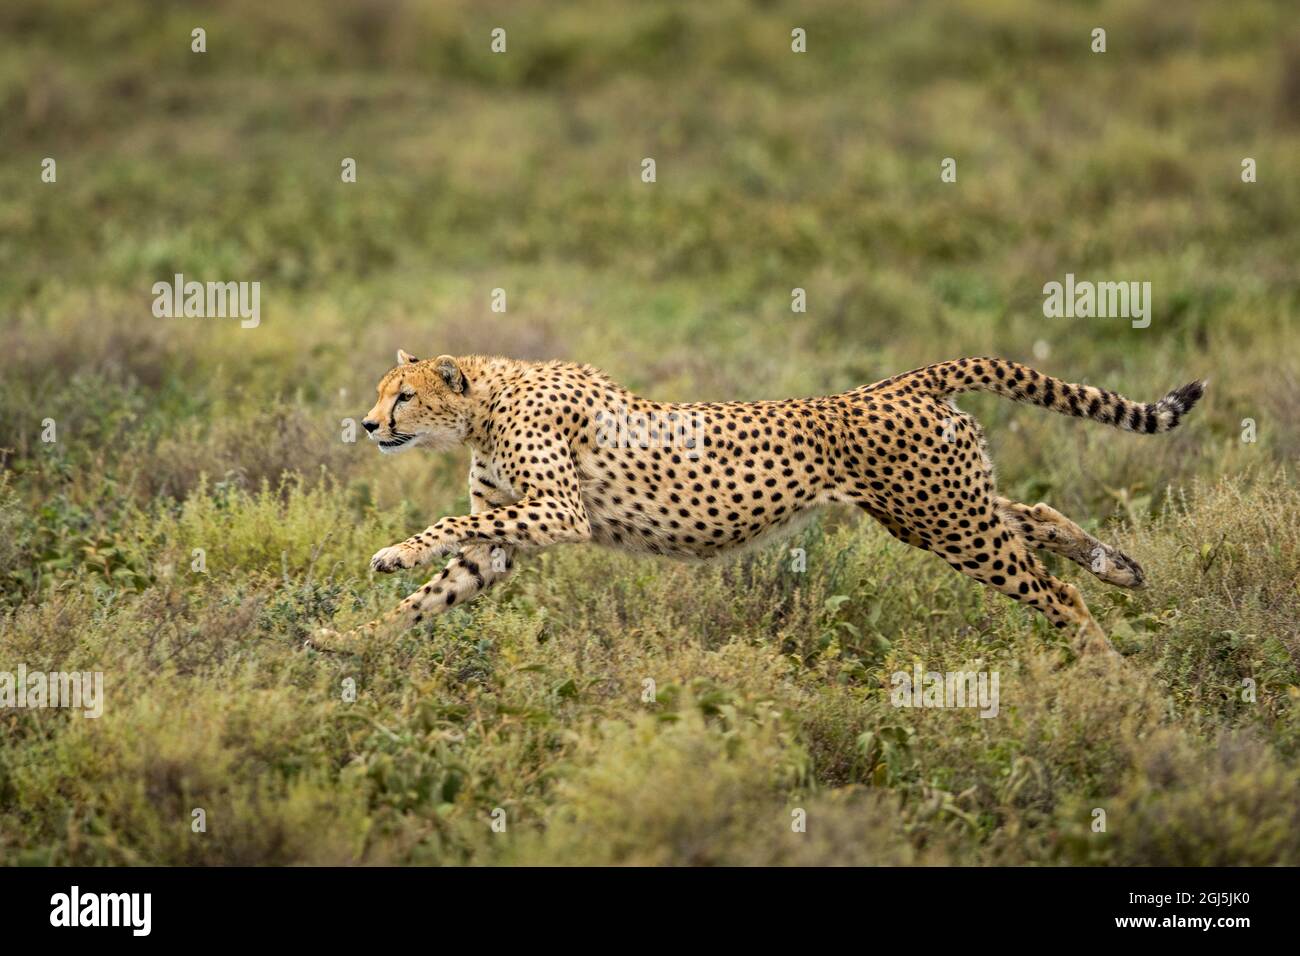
x=420, y=403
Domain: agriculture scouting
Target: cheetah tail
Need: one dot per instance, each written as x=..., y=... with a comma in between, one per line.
x=1023, y=384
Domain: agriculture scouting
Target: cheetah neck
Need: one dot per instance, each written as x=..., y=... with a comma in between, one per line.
x=491, y=377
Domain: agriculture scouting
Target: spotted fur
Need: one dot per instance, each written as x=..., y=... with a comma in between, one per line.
x=699, y=480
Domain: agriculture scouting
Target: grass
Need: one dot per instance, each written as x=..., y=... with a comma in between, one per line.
x=521, y=172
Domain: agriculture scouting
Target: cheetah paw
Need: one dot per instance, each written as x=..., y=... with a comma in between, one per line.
x=396, y=558
x=322, y=639
x=1115, y=567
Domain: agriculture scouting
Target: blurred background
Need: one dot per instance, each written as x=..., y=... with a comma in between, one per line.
x=521, y=171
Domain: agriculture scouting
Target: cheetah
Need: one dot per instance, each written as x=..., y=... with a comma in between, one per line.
x=561, y=453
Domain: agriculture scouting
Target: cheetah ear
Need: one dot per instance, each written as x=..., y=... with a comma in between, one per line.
x=450, y=372
x=405, y=358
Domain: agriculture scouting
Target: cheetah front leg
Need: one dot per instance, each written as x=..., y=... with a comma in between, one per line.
x=467, y=575
x=548, y=510
x=473, y=571
x=532, y=522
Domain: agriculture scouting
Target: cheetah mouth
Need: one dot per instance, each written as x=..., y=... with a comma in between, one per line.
x=392, y=444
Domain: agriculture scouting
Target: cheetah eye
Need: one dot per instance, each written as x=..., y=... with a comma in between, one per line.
x=404, y=397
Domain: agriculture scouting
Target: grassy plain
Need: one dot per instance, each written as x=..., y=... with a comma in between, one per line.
x=520, y=171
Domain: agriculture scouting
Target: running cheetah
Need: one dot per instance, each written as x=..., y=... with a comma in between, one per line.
x=561, y=453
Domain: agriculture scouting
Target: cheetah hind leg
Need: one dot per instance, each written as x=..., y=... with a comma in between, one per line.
x=1045, y=527
x=1017, y=574
x=1011, y=568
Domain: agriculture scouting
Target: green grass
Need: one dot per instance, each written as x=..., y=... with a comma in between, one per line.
x=521, y=171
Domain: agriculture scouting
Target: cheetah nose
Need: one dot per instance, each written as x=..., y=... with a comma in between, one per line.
x=369, y=425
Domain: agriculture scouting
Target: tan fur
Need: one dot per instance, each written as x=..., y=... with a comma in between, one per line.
x=699, y=480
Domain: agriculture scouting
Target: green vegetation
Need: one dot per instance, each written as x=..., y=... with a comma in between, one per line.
x=521, y=171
